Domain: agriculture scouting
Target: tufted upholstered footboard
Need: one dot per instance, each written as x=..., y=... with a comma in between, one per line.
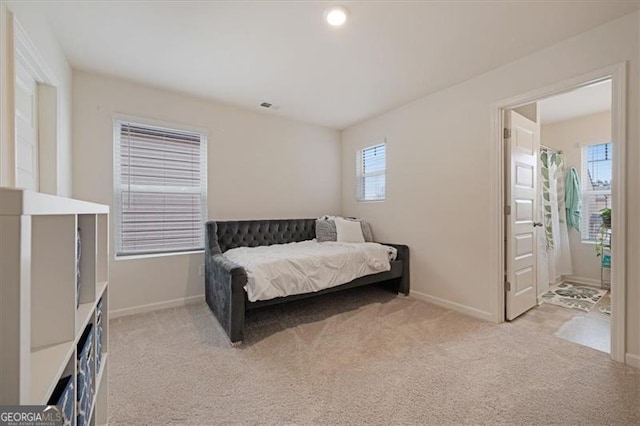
x=225, y=280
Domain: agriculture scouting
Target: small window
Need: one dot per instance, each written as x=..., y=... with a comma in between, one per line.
x=371, y=173
x=160, y=188
x=596, y=187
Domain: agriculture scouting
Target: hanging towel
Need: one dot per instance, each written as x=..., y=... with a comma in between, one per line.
x=572, y=199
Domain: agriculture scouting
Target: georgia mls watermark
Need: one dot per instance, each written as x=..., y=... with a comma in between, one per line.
x=30, y=415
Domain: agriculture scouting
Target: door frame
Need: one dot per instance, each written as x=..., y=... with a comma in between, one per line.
x=618, y=75
x=21, y=48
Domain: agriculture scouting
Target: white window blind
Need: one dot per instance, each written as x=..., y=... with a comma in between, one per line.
x=160, y=189
x=371, y=173
x=596, y=187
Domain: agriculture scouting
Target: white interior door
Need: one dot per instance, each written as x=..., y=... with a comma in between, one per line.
x=522, y=143
x=26, y=113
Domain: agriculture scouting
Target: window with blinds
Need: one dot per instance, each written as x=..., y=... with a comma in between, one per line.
x=160, y=188
x=596, y=187
x=371, y=173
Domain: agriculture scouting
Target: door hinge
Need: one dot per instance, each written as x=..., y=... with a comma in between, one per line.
x=507, y=133
x=507, y=210
x=507, y=286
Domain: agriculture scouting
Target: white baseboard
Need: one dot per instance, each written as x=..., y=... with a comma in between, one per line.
x=581, y=280
x=632, y=360
x=155, y=306
x=467, y=310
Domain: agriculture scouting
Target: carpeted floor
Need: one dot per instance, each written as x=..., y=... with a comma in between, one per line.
x=363, y=356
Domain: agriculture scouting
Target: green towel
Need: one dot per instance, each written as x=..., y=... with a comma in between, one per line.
x=572, y=199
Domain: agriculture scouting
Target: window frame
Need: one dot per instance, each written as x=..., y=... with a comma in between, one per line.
x=585, y=192
x=361, y=176
x=118, y=120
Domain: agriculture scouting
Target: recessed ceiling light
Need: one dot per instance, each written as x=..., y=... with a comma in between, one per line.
x=336, y=15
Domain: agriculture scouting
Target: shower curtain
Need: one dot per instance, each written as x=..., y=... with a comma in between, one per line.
x=554, y=258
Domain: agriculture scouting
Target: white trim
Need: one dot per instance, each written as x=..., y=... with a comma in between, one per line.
x=589, y=282
x=361, y=175
x=26, y=53
x=632, y=360
x=7, y=110
x=464, y=309
x=203, y=133
x=619, y=209
x=168, y=125
x=152, y=255
x=585, y=192
x=497, y=203
x=617, y=73
x=155, y=306
x=26, y=50
x=585, y=144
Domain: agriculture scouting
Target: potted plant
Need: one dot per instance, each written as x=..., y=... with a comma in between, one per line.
x=605, y=214
x=603, y=240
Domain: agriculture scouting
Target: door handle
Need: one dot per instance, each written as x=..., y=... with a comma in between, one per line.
x=537, y=224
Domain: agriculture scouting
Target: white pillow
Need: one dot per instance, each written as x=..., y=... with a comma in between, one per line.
x=348, y=231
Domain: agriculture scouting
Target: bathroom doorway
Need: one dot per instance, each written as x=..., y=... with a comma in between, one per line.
x=561, y=174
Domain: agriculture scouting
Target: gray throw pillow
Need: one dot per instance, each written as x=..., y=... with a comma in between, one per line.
x=326, y=230
x=366, y=230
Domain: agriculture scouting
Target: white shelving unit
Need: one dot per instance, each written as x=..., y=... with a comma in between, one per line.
x=40, y=325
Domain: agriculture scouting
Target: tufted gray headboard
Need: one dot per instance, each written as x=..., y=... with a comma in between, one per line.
x=222, y=236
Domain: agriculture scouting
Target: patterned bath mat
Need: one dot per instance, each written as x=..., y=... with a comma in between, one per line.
x=574, y=296
x=605, y=310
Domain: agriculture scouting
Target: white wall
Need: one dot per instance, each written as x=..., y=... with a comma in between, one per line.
x=37, y=29
x=567, y=136
x=530, y=111
x=259, y=167
x=6, y=103
x=438, y=171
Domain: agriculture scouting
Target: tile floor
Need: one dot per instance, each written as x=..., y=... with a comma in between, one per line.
x=592, y=329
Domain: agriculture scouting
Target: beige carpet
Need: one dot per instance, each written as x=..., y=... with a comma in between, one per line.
x=358, y=357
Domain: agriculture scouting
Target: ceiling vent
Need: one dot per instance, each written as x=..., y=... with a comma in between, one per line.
x=266, y=105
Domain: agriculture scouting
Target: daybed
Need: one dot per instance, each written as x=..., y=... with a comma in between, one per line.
x=225, y=280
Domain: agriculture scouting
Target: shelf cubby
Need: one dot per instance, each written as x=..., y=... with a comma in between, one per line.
x=104, y=295
x=47, y=367
x=44, y=312
x=88, y=257
x=53, y=278
x=102, y=248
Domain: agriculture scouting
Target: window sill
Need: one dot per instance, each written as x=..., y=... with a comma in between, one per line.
x=371, y=201
x=152, y=255
x=589, y=242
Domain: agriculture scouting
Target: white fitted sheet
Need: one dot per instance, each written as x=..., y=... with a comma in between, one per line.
x=308, y=266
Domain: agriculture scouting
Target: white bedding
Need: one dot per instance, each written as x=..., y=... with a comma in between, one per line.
x=308, y=266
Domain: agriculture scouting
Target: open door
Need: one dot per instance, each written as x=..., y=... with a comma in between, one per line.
x=26, y=122
x=522, y=145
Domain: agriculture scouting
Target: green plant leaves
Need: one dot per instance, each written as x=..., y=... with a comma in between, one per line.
x=551, y=170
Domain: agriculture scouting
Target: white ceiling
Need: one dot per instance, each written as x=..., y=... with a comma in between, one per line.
x=244, y=53
x=576, y=103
